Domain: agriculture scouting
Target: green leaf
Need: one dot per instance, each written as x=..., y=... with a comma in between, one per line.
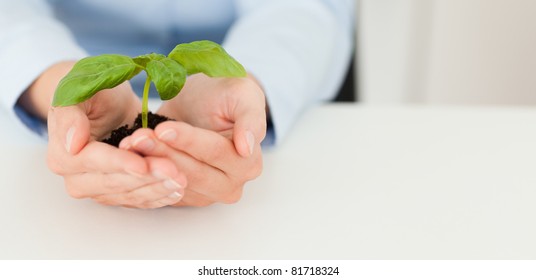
x=207, y=57
x=142, y=60
x=167, y=75
x=92, y=74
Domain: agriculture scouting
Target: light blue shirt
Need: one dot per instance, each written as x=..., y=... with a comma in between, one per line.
x=299, y=50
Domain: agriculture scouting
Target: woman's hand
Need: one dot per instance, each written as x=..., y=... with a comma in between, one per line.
x=216, y=140
x=92, y=169
x=214, y=169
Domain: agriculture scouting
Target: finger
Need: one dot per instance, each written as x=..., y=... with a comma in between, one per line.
x=217, y=150
x=141, y=141
x=154, y=195
x=163, y=169
x=68, y=132
x=249, y=117
x=71, y=151
x=207, y=180
x=212, y=148
x=97, y=157
x=166, y=201
x=168, y=190
x=68, y=129
x=194, y=199
x=101, y=157
x=88, y=185
x=204, y=145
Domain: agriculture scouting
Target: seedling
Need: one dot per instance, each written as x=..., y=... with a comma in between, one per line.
x=168, y=73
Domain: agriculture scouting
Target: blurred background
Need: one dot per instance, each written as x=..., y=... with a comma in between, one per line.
x=445, y=51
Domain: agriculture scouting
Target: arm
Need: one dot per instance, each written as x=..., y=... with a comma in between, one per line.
x=298, y=50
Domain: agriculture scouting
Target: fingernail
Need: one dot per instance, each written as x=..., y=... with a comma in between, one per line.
x=251, y=141
x=168, y=135
x=172, y=185
x=69, y=138
x=144, y=143
x=124, y=145
x=174, y=195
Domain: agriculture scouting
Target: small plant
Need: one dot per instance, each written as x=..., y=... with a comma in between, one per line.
x=168, y=73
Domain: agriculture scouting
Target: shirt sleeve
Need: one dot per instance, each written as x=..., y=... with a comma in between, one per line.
x=299, y=50
x=31, y=40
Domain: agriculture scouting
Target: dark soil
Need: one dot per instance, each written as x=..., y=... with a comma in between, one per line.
x=118, y=134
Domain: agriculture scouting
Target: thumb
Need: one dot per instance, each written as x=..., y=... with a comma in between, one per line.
x=249, y=118
x=249, y=130
x=68, y=127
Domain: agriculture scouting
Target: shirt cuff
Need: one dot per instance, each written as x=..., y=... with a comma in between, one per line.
x=34, y=123
x=269, y=139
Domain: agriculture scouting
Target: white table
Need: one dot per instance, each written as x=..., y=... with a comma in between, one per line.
x=350, y=182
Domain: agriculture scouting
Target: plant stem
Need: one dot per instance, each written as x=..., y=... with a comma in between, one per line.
x=145, y=102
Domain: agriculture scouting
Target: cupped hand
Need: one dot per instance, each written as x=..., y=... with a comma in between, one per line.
x=215, y=140
x=92, y=169
x=215, y=171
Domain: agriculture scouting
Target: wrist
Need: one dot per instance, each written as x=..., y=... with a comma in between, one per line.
x=38, y=96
